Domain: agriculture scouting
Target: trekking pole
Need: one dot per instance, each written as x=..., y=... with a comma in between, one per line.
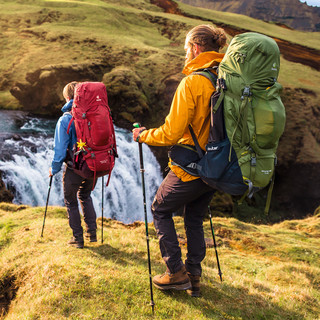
x=214, y=244
x=102, y=209
x=45, y=212
x=137, y=125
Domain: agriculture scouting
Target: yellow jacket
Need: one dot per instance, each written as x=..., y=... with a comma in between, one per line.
x=190, y=105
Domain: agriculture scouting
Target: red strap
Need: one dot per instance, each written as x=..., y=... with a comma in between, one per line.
x=70, y=125
x=108, y=179
x=94, y=175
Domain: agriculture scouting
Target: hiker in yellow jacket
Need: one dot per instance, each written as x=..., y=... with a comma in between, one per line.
x=190, y=105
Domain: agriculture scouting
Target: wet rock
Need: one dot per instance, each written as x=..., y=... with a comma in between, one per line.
x=5, y=194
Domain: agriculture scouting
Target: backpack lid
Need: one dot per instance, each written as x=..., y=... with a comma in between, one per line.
x=254, y=57
x=90, y=94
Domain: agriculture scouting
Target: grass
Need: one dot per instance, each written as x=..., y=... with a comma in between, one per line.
x=269, y=272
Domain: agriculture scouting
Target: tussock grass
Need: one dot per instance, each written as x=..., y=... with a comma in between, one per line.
x=269, y=272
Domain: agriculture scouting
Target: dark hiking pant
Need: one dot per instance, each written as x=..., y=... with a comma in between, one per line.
x=194, y=196
x=74, y=186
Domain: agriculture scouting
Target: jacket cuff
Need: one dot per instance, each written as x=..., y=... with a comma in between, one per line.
x=55, y=167
x=138, y=137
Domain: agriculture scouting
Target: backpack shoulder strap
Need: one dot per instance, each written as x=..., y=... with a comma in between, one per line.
x=69, y=125
x=209, y=74
x=196, y=143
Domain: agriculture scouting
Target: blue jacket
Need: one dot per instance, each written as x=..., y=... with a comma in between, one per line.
x=62, y=140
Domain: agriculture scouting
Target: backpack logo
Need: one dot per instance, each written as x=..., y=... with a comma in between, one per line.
x=98, y=98
x=274, y=67
x=213, y=148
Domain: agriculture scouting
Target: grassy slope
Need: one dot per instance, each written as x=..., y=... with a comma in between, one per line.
x=270, y=272
x=294, y=75
x=309, y=39
x=38, y=33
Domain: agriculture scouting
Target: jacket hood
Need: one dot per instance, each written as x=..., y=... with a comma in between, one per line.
x=67, y=107
x=203, y=60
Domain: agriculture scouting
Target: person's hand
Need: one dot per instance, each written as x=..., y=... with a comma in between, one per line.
x=136, y=132
x=50, y=172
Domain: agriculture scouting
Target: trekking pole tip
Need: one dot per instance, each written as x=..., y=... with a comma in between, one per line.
x=152, y=304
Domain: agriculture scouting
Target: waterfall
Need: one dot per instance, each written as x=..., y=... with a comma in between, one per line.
x=26, y=173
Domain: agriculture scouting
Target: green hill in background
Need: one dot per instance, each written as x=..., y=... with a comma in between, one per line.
x=269, y=272
x=289, y=13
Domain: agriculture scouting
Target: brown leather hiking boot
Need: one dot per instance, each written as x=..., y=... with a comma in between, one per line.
x=195, y=289
x=76, y=242
x=91, y=236
x=176, y=281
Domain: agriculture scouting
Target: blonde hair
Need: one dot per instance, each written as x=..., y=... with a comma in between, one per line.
x=207, y=37
x=68, y=90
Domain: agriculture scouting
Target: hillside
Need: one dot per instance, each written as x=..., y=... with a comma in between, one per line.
x=136, y=48
x=289, y=13
x=269, y=272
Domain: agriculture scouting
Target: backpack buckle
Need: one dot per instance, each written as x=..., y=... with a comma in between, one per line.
x=253, y=161
x=221, y=84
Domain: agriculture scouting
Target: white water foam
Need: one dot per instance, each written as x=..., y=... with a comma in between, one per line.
x=27, y=175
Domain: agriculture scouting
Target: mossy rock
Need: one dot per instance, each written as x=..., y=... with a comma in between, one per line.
x=126, y=97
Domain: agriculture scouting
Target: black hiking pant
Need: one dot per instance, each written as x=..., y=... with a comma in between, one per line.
x=194, y=196
x=76, y=187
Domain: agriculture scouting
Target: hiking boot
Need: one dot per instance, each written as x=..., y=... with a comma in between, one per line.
x=76, y=242
x=91, y=236
x=195, y=289
x=176, y=281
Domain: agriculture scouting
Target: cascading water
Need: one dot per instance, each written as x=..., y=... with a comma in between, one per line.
x=25, y=171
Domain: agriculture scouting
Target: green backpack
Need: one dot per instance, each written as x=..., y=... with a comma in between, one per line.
x=247, y=119
x=254, y=115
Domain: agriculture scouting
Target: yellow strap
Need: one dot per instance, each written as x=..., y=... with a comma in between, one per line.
x=266, y=210
x=186, y=147
x=242, y=198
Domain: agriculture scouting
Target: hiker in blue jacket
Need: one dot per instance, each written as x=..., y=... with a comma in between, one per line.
x=73, y=184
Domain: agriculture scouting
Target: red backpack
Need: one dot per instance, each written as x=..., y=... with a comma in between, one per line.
x=95, y=151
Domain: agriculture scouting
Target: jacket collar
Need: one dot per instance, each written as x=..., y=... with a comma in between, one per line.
x=203, y=60
x=67, y=107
